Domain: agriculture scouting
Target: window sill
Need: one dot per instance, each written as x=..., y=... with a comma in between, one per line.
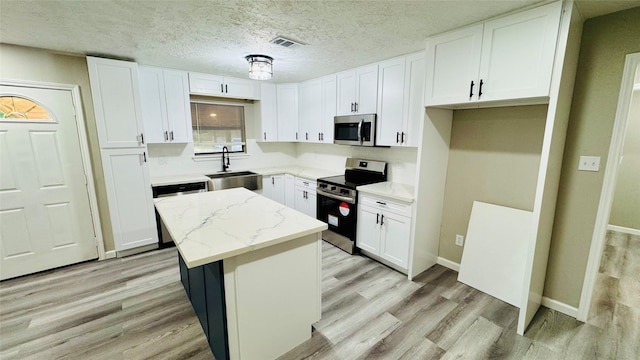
x=218, y=157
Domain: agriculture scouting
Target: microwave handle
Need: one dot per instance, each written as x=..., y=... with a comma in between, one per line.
x=360, y=131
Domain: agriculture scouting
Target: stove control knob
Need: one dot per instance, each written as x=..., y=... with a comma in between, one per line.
x=344, y=191
x=323, y=186
x=333, y=188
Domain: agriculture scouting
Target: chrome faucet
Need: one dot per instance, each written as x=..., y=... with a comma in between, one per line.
x=225, y=165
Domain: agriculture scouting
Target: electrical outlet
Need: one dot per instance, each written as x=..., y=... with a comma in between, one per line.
x=459, y=240
x=589, y=163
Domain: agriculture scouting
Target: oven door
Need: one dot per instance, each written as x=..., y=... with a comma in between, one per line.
x=340, y=213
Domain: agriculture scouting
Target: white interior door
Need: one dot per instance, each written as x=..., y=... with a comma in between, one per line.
x=45, y=216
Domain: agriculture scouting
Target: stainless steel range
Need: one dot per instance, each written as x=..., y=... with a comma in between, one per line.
x=337, y=203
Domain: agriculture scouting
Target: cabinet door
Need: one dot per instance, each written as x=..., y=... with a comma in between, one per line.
x=391, y=87
x=346, y=92
x=312, y=200
x=453, y=61
x=268, y=113
x=329, y=105
x=115, y=90
x=287, y=109
x=273, y=188
x=414, y=97
x=278, y=188
x=309, y=122
x=205, y=84
x=239, y=88
x=518, y=53
x=367, y=89
x=154, y=106
x=396, y=231
x=300, y=199
x=176, y=90
x=368, y=229
x=129, y=197
x=289, y=190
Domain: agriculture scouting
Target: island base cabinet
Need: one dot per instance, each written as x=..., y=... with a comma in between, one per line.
x=261, y=304
x=204, y=286
x=273, y=297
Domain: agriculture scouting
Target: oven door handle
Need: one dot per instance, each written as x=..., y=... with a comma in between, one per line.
x=337, y=197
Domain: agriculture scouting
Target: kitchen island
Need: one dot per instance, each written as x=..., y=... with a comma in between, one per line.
x=251, y=268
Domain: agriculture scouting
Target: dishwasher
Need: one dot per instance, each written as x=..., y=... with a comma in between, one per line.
x=164, y=238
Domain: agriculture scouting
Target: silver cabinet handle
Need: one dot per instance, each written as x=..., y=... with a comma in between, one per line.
x=397, y=137
x=356, y=107
x=171, y=135
x=296, y=135
x=381, y=203
x=142, y=138
x=166, y=136
x=402, y=137
x=226, y=89
x=265, y=136
x=221, y=87
x=381, y=219
x=273, y=181
x=377, y=218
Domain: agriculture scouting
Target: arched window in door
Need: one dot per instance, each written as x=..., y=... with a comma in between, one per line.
x=16, y=108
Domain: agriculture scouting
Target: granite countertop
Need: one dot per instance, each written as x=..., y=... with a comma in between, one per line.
x=177, y=179
x=215, y=225
x=389, y=190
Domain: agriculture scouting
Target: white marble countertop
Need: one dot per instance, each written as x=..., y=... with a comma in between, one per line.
x=305, y=172
x=389, y=190
x=215, y=225
x=177, y=179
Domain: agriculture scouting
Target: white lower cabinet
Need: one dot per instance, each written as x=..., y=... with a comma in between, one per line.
x=273, y=187
x=289, y=194
x=126, y=175
x=305, y=196
x=384, y=229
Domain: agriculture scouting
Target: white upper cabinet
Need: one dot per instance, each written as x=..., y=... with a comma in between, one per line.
x=329, y=106
x=223, y=86
x=518, y=53
x=503, y=59
x=357, y=90
x=287, y=108
x=400, y=109
x=267, y=113
x=391, y=76
x=165, y=105
x=310, y=112
x=116, y=101
x=413, y=107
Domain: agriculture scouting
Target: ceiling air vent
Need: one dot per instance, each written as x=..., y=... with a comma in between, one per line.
x=288, y=43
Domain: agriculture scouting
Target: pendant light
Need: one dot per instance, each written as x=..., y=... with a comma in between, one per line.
x=260, y=67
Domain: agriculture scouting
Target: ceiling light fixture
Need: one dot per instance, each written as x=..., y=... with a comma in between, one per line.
x=260, y=67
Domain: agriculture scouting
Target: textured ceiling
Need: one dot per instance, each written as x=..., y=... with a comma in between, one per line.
x=214, y=36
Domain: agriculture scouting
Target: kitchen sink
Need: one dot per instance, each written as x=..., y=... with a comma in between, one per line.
x=235, y=179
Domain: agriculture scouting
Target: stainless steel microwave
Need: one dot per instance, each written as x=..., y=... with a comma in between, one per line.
x=355, y=130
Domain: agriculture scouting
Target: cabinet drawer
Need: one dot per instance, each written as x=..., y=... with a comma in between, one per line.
x=385, y=204
x=306, y=183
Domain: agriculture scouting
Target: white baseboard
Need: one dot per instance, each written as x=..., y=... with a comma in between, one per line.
x=448, y=264
x=623, y=229
x=109, y=254
x=559, y=306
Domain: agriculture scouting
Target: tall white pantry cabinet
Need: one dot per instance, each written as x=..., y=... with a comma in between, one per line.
x=117, y=105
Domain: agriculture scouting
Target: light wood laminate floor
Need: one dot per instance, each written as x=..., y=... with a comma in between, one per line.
x=135, y=308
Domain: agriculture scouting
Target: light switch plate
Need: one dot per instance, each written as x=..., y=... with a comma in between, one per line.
x=589, y=163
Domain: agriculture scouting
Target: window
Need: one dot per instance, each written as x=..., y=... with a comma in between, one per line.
x=15, y=108
x=216, y=125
